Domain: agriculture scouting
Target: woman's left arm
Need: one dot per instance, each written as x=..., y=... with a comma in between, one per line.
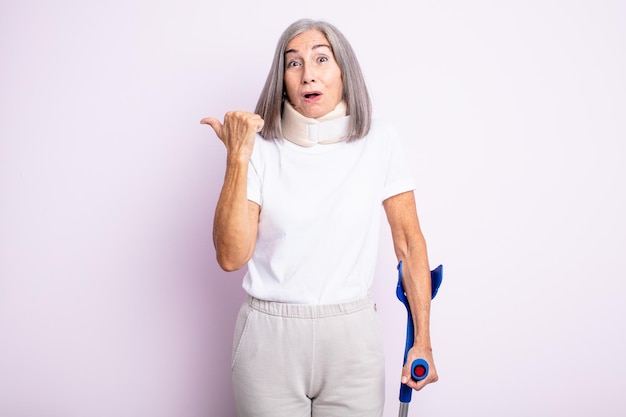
x=410, y=248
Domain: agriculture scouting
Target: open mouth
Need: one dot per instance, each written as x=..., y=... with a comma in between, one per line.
x=311, y=95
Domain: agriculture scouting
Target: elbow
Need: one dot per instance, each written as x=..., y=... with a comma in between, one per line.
x=230, y=263
x=232, y=254
x=416, y=246
x=229, y=267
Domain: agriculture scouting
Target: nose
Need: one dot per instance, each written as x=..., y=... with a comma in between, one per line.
x=308, y=74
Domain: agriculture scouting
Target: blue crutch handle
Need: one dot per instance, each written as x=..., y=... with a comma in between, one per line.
x=419, y=367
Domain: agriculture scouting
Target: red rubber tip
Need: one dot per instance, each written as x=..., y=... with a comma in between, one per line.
x=419, y=371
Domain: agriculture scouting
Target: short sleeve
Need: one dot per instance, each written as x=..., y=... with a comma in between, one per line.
x=254, y=177
x=399, y=177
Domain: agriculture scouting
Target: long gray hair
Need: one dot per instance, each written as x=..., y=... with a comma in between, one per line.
x=355, y=94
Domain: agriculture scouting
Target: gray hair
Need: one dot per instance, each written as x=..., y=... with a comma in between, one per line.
x=355, y=94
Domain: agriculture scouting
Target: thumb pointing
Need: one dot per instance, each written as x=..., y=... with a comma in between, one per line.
x=214, y=123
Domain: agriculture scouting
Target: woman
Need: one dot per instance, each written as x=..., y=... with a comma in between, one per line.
x=306, y=175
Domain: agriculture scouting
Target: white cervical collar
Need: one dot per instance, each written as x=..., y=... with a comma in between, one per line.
x=306, y=131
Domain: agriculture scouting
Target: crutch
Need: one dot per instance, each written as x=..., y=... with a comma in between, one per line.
x=419, y=367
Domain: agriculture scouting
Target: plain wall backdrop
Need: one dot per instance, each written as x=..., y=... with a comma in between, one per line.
x=513, y=112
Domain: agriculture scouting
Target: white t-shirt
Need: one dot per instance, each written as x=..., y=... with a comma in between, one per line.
x=320, y=215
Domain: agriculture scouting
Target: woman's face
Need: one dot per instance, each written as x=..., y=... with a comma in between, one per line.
x=312, y=76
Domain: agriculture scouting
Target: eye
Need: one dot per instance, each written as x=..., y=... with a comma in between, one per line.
x=293, y=64
x=323, y=59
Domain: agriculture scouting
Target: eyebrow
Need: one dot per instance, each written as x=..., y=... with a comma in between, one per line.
x=321, y=45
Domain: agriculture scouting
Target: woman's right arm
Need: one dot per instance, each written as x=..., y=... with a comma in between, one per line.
x=236, y=218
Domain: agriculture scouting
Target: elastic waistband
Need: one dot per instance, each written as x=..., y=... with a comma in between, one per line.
x=308, y=311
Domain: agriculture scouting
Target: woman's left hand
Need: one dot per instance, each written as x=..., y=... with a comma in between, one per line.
x=418, y=352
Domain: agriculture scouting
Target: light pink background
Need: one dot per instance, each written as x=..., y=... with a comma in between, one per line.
x=111, y=303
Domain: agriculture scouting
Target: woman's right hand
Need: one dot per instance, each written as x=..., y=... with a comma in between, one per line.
x=237, y=132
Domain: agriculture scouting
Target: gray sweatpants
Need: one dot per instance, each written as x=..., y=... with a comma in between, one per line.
x=297, y=360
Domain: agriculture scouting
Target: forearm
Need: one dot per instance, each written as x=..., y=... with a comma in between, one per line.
x=233, y=235
x=417, y=286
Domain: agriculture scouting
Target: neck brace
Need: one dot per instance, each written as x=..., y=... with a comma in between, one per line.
x=306, y=131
